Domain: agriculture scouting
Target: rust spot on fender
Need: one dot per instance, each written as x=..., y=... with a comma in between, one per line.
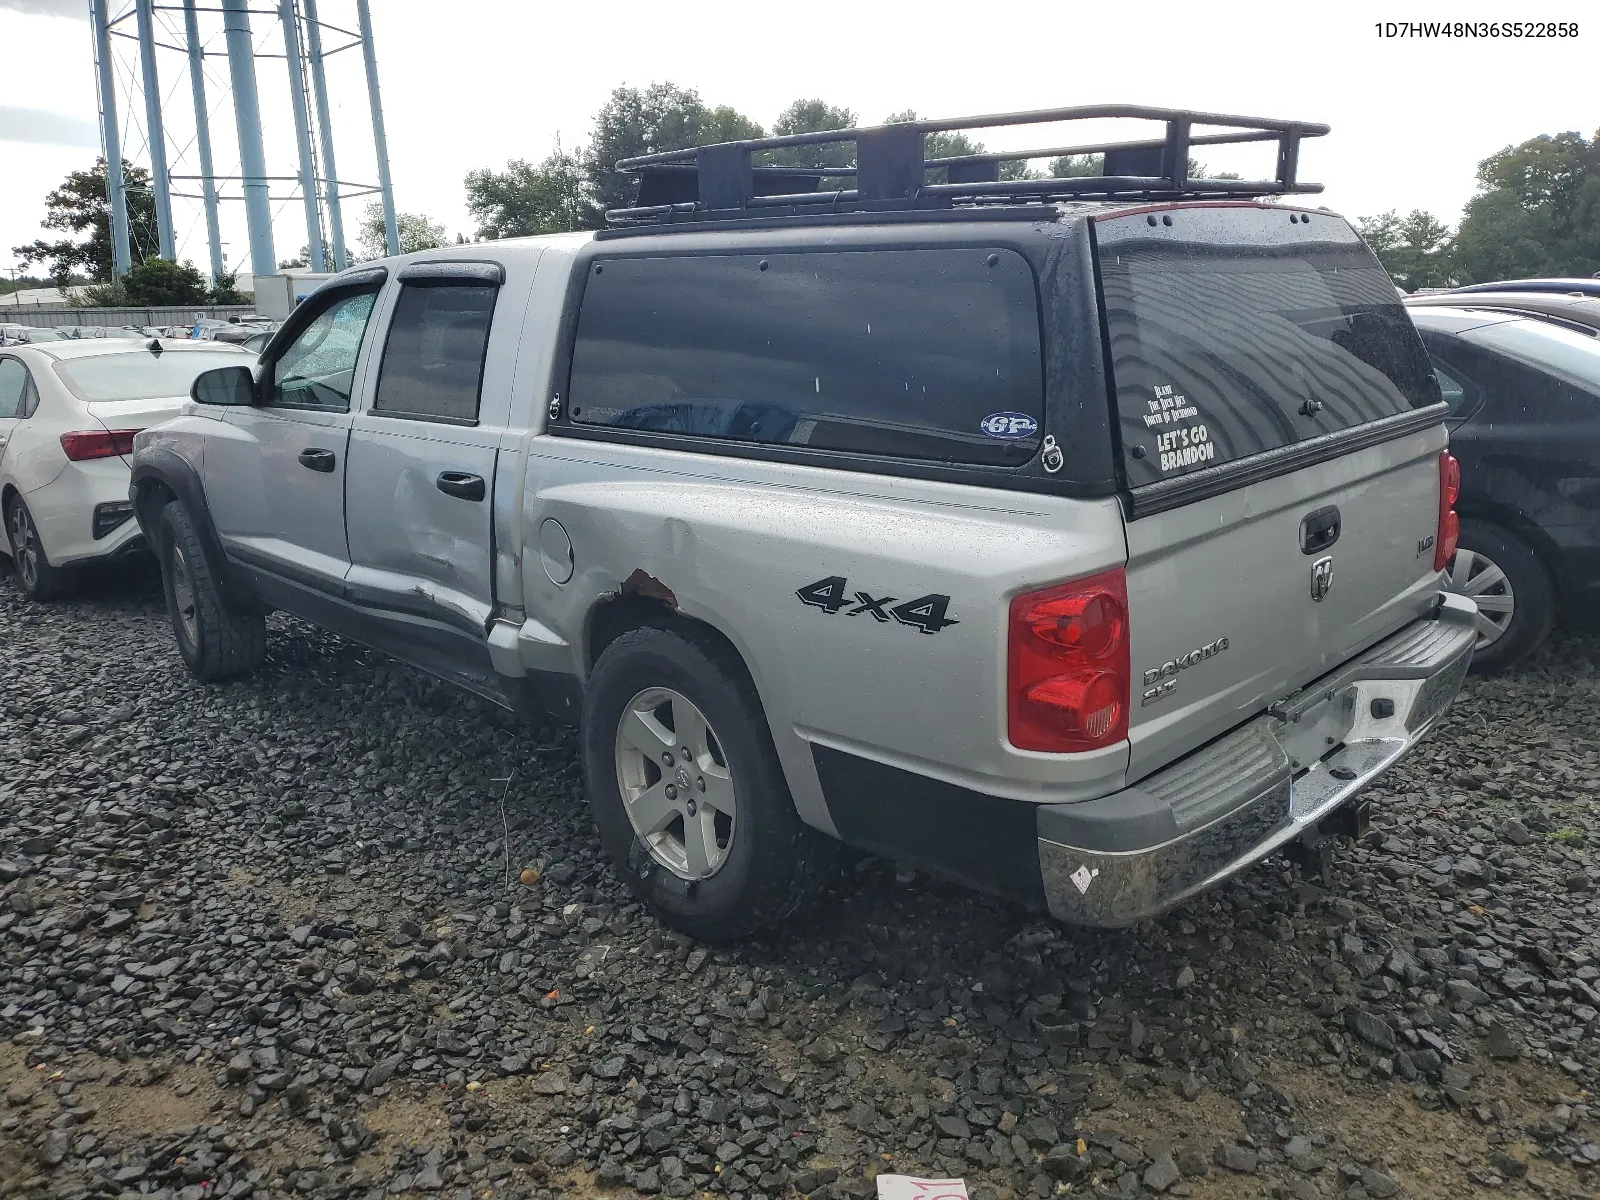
x=643, y=584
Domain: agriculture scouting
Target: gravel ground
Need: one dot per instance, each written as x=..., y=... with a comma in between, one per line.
x=338, y=931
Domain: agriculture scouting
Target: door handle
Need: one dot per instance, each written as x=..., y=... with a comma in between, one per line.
x=319, y=460
x=461, y=485
x=1319, y=530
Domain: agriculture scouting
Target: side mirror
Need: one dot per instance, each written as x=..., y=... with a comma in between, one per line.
x=224, y=385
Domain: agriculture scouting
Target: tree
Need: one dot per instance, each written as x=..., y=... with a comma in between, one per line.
x=80, y=206
x=226, y=291
x=1414, y=249
x=157, y=281
x=813, y=116
x=662, y=117
x=727, y=124
x=1381, y=234
x=1076, y=166
x=1020, y=168
x=416, y=232
x=525, y=199
x=18, y=283
x=1537, y=211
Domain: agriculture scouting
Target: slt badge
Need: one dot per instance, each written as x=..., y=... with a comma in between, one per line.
x=1165, y=677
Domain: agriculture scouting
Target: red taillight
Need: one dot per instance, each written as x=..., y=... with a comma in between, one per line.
x=1089, y=622
x=100, y=443
x=1068, y=680
x=1449, y=532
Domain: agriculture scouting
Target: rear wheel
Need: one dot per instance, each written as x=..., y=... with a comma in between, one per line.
x=213, y=641
x=1512, y=589
x=686, y=788
x=39, y=580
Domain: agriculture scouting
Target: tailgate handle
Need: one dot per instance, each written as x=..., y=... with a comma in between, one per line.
x=1319, y=530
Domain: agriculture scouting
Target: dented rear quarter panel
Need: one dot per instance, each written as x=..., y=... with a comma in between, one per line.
x=733, y=543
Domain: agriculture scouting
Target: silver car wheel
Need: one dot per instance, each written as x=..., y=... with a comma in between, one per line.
x=183, y=597
x=24, y=546
x=676, y=786
x=1477, y=577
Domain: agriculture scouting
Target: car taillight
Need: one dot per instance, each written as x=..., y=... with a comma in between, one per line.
x=100, y=443
x=1068, y=678
x=1449, y=532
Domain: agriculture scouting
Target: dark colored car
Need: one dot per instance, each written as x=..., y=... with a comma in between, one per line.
x=1588, y=287
x=1581, y=313
x=1524, y=396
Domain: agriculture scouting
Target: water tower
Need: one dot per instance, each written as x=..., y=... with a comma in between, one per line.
x=210, y=32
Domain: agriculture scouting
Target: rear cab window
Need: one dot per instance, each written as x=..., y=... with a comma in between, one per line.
x=433, y=359
x=1236, y=332
x=930, y=354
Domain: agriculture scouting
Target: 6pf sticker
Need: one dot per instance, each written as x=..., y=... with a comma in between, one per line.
x=1009, y=426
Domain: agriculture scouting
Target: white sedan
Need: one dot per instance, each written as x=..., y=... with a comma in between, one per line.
x=68, y=413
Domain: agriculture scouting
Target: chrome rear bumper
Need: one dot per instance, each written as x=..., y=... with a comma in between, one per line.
x=1208, y=816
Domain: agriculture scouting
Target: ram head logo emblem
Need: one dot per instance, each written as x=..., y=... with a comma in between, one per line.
x=1321, y=578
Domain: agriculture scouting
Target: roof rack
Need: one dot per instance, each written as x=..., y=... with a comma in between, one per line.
x=724, y=182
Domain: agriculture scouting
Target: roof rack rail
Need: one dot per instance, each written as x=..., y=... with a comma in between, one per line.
x=725, y=182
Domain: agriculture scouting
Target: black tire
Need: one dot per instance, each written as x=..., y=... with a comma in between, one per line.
x=774, y=861
x=37, y=578
x=1532, y=591
x=214, y=641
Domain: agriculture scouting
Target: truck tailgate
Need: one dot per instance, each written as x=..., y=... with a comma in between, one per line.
x=1224, y=615
x=1281, y=434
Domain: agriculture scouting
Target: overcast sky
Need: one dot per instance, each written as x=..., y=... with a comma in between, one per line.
x=476, y=82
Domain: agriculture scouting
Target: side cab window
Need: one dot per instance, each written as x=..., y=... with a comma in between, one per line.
x=930, y=354
x=433, y=357
x=317, y=369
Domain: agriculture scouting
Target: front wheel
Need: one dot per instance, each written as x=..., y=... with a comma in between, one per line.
x=1512, y=589
x=686, y=788
x=213, y=641
x=39, y=580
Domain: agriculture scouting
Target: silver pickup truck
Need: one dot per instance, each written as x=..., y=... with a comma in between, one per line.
x=1077, y=539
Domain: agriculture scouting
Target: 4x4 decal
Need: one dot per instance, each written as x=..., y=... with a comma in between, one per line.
x=926, y=613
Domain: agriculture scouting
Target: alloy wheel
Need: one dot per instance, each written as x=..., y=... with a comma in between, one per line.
x=676, y=785
x=1481, y=580
x=25, y=546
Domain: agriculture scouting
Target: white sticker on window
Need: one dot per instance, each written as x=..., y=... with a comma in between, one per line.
x=1180, y=448
x=1185, y=445
x=1168, y=408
